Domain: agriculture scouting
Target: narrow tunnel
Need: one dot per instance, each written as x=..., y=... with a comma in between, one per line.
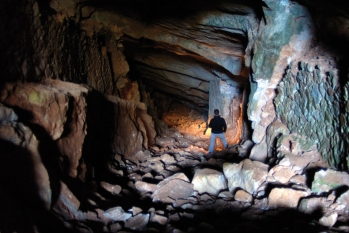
x=104, y=111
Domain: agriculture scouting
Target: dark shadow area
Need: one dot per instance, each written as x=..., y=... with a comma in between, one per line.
x=150, y=11
x=22, y=209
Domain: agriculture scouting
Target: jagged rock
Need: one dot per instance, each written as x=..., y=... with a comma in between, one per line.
x=329, y=220
x=243, y=196
x=138, y=128
x=50, y=104
x=247, y=175
x=344, y=200
x=144, y=187
x=282, y=174
x=285, y=197
x=298, y=179
x=209, y=181
x=7, y=114
x=136, y=210
x=165, y=142
x=167, y=159
x=137, y=222
x=159, y=219
x=327, y=180
x=117, y=214
x=21, y=165
x=113, y=189
x=183, y=143
x=67, y=204
x=173, y=188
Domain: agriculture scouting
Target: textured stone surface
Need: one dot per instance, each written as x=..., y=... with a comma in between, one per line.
x=327, y=180
x=137, y=222
x=209, y=181
x=67, y=204
x=243, y=196
x=285, y=197
x=247, y=175
x=173, y=188
x=117, y=214
x=302, y=100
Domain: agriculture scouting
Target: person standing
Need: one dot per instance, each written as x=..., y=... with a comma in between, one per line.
x=218, y=127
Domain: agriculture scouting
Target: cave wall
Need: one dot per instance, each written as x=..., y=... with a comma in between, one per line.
x=311, y=102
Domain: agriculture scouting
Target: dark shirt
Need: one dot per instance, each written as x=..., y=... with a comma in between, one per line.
x=218, y=125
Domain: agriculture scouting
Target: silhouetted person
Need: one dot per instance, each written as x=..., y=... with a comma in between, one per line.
x=218, y=128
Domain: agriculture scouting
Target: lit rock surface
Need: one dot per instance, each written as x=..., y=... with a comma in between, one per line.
x=209, y=181
x=285, y=197
x=327, y=180
x=248, y=175
x=173, y=188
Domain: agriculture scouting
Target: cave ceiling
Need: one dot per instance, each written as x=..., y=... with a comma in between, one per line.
x=178, y=47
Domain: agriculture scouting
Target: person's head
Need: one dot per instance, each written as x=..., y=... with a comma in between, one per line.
x=216, y=112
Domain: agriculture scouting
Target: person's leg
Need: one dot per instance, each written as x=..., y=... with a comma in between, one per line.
x=212, y=142
x=224, y=141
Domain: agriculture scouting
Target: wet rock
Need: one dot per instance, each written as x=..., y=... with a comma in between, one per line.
x=117, y=214
x=327, y=180
x=285, y=197
x=112, y=189
x=209, y=181
x=173, y=188
x=243, y=196
x=329, y=220
x=247, y=175
x=144, y=187
x=138, y=222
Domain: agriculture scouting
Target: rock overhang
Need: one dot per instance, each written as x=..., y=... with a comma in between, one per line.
x=178, y=48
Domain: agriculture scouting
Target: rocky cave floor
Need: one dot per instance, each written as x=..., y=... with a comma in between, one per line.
x=155, y=192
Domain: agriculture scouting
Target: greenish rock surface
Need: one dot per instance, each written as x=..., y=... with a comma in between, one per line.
x=312, y=108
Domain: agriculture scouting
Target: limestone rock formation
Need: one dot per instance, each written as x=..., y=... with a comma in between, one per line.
x=209, y=181
x=248, y=175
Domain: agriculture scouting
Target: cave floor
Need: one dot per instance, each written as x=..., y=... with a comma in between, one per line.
x=127, y=190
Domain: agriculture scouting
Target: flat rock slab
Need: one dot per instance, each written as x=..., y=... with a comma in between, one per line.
x=209, y=181
x=285, y=197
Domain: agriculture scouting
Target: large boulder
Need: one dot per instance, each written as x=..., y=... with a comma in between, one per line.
x=327, y=180
x=285, y=197
x=247, y=175
x=57, y=112
x=173, y=188
x=209, y=181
